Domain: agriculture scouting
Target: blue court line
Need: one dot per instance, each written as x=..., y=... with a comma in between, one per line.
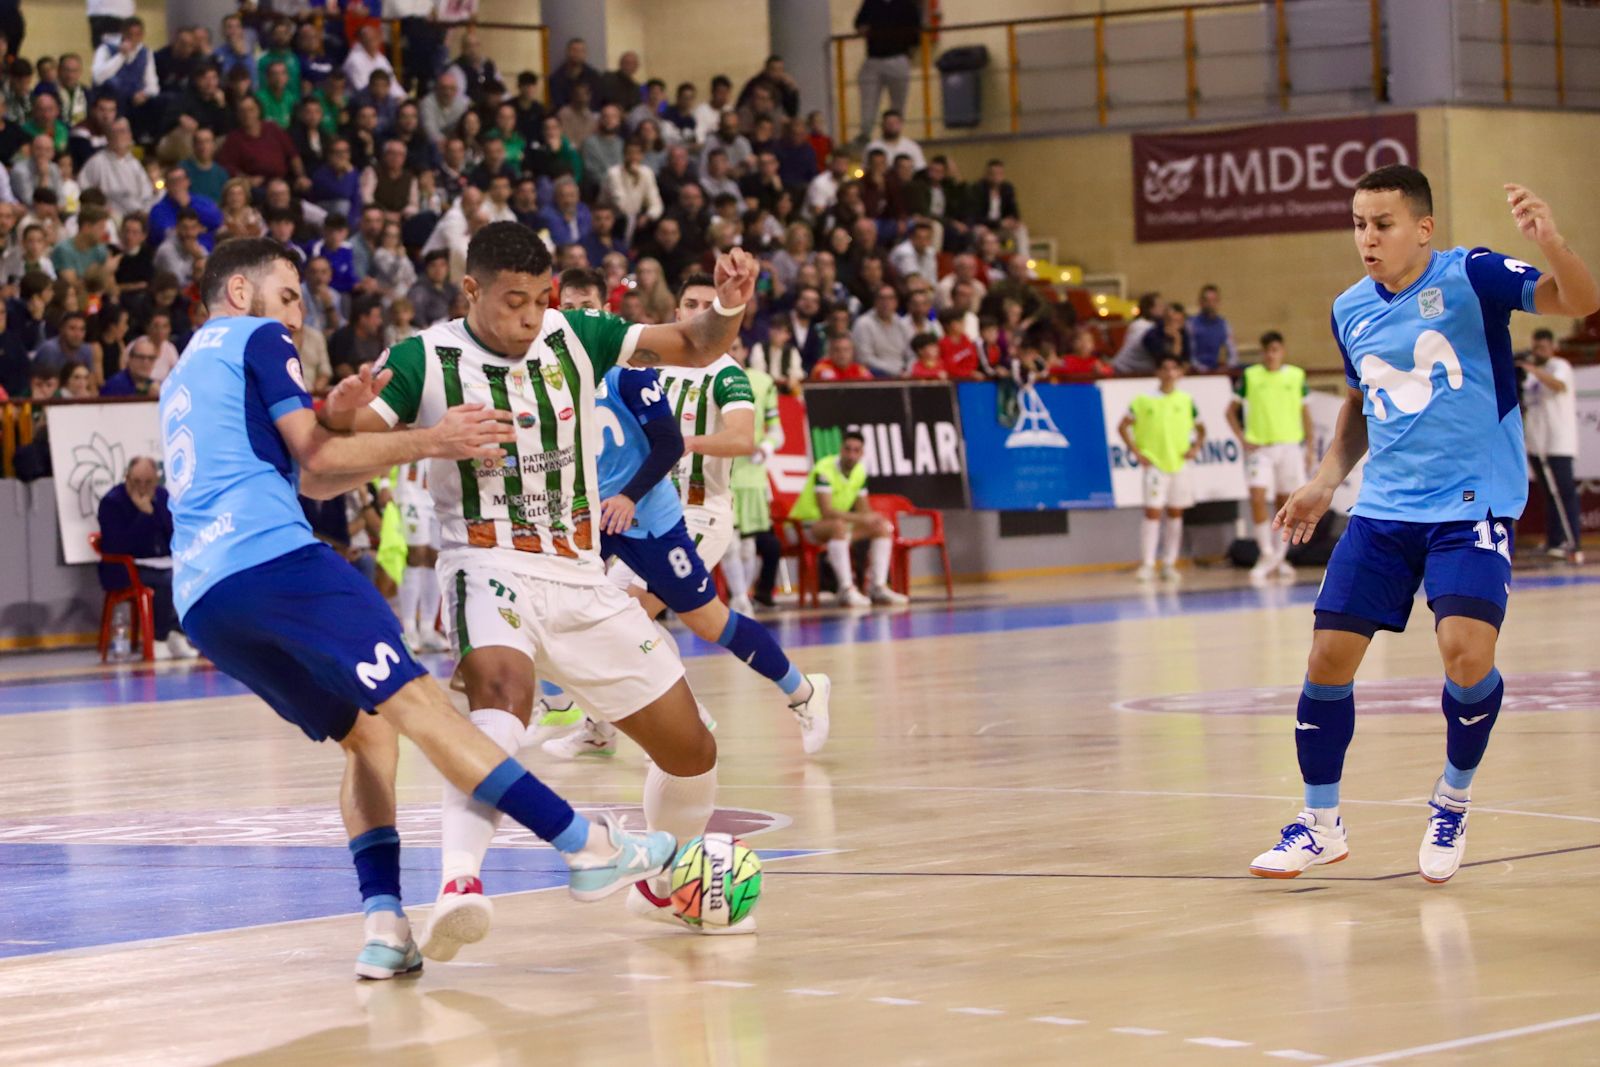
x=83, y=896
x=793, y=631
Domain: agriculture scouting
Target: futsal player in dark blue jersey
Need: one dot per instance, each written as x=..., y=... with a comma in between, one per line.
x=288, y=617
x=1432, y=404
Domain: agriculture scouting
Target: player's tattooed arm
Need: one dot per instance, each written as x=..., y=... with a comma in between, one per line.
x=644, y=357
x=698, y=341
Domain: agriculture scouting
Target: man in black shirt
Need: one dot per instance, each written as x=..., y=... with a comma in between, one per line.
x=892, y=28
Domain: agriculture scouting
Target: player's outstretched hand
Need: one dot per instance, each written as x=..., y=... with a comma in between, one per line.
x=1298, y=518
x=736, y=273
x=1532, y=215
x=616, y=515
x=471, y=431
x=357, y=391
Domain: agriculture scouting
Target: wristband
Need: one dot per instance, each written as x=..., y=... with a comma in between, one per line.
x=721, y=309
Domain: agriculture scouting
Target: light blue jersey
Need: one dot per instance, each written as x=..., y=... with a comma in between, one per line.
x=1444, y=434
x=231, y=479
x=629, y=398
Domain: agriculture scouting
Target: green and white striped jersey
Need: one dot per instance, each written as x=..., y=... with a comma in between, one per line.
x=533, y=508
x=699, y=397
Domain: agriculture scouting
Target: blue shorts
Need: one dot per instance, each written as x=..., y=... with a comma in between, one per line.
x=669, y=565
x=1379, y=564
x=308, y=635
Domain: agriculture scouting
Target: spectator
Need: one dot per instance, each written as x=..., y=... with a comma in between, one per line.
x=631, y=188
x=200, y=105
x=553, y=157
x=206, y=175
x=1210, y=335
x=892, y=28
x=1017, y=285
x=620, y=87
x=16, y=96
x=183, y=247
x=421, y=153
x=77, y=382
x=45, y=118
x=916, y=254
x=797, y=162
x=1170, y=338
x=365, y=58
x=278, y=101
x=363, y=135
x=708, y=114
x=135, y=521
x=180, y=196
x=126, y=67
x=1132, y=358
x=280, y=49
x=839, y=365
x=530, y=108
x=433, y=293
x=779, y=356
x=716, y=178
x=457, y=225
x=443, y=108
x=763, y=185
x=107, y=333
x=314, y=364
x=497, y=204
x=1550, y=413
x=823, y=191
x=35, y=170
x=336, y=186
x=257, y=149
x=361, y=339
x=389, y=185
x=603, y=149
x=578, y=119
x=958, y=350
x=1084, y=358
x=236, y=52
x=727, y=138
x=159, y=332
x=69, y=89
x=401, y=320
x=479, y=76
x=68, y=345
x=74, y=256
x=964, y=271
x=379, y=96
x=667, y=247
x=894, y=143
x=311, y=49
x=882, y=337
x=25, y=317
x=136, y=379
x=927, y=366
x=510, y=137
x=680, y=115
x=651, y=106
x=776, y=80
x=993, y=199
x=834, y=506
x=574, y=71
x=325, y=307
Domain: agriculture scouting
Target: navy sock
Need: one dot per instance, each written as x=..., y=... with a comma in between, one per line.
x=377, y=858
x=1469, y=715
x=1326, y=721
x=751, y=642
x=511, y=789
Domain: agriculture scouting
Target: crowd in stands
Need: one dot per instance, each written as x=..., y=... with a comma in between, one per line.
x=123, y=171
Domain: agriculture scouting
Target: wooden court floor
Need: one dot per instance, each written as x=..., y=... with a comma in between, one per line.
x=1025, y=843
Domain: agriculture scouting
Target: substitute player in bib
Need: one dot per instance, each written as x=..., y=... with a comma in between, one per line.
x=1433, y=404
x=526, y=590
x=420, y=596
x=752, y=499
x=1272, y=421
x=288, y=617
x=650, y=545
x=1164, y=433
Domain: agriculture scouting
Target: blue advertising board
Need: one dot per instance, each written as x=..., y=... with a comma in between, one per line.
x=1052, y=455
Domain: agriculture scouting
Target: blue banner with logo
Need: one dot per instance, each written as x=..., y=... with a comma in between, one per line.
x=1043, y=449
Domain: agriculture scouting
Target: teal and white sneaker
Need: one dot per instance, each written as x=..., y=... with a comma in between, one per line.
x=630, y=858
x=813, y=714
x=389, y=950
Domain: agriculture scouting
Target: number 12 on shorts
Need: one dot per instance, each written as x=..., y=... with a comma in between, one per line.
x=1492, y=537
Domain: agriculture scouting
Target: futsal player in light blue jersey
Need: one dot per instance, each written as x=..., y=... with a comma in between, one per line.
x=642, y=524
x=1432, y=403
x=291, y=619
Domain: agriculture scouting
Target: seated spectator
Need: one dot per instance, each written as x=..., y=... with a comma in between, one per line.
x=389, y=184
x=74, y=256
x=384, y=103
x=363, y=134
x=421, y=153
x=456, y=225
x=433, y=293
x=1085, y=360
x=179, y=59
x=530, y=106
x=763, y=185
x=654, y=292
x=179, y=196
x=823, y=191
x=1017, y=284
x=779, y=356
x=340, y=256
x=314, y=364
x=137, y=378
x=336, y=186
x=478, y=73
x=893, y=141
x=839, y=365
x=119, y=174
x=935, y=194
x=604, y=236
x=993, y=200
x=361, y=339
x=391, y=268
x=443, y=108
x=577, y=118
x=325, y=307
x=278, y=34
x=400, y=322
x=650, y=106
x=160, y=329
x=1210, y=334
x=567, y=219
x=135, y=520
x=680, y=115
x=183, y=247
x=1170, y=338
x=77, y=382
x=631, y=188
x=366, y=57
x=620, y=87
x=277, y=99
x=206, y=175
x=797, y=162
x=834, y=506
x=883, y=337
x=202, y=104
x=553, y=157
x=237, y=51
x=506, y=131
x=69, y=345
x=257, y=149
x=492, y=166
x=574, y=71
x=666, y=247
x=731, y=142
x=108, y=331
x=69, y=89
x=311, y=49
x=716, y=177
x=1132, y=358
x=125, y=66
x=927, y=365
x=368, y=236
x=37, y=169
x=958, y=350
x=603, y=149
x=916, y=254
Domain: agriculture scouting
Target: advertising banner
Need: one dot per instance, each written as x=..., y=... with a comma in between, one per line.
x=1047, y=453
x=913, y=441
x=90, y=447
x=1283, y=177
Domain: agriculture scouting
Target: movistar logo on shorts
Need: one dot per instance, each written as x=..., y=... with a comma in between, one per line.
x=384, y=657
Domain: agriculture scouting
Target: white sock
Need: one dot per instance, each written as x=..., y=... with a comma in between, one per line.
x=432, y=604
x=1269, y=551
x=733, y=572
x=410, y=596
x=839, y=556
x=680, y=806
x=466, y=826
x=878, y=561
x=1326, y=817
x=1172, y=541
x=747, y=556
x=1149, y=537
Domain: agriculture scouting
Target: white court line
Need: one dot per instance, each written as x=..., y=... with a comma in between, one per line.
x=1468, y=1042
x=1296, y=1055
x=976, y=1011
x=812, y=992
x=1137, y=1031
x=723, y=983
x=1056, y=1020
x=1218, y=1042
x=898, y=1002
x=630, y=976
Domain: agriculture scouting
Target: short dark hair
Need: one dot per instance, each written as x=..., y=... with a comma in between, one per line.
x=365, y=304
x=894, y=113
x=1170, y=357
x=721, y=81
x=1210, y=287
x=507, y=246
x=189, y=214
x=853, y=435
x=1271, y=337
x=437, y=253
x=697, y=278
x=69, y=316
x=922, y=340
x=684, y=85
x=242, y=255
x=527, y=77
x=1542, y=334
x=1409, y=182
x=583, y=278
x=1147, y=302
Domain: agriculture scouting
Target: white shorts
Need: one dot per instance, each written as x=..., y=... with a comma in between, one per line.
x=1168, y=490
x=594, y=641
x=1279, y=469
x=712, y=533
x=420, y=521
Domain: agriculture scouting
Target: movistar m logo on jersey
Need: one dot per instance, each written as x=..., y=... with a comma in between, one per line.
x=1409, y=390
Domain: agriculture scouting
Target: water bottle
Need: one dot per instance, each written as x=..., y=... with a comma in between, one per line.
x=121, y=646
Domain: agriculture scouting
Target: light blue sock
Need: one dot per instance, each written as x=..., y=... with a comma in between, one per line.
x=1456, y=778
x=574, y=837
x=382, y=903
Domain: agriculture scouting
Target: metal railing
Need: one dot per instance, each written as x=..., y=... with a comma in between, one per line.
x=396, y=38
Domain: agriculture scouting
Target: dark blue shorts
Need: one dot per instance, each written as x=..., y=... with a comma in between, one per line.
x=669, y=565
x=308, y=635
x=1379, y=564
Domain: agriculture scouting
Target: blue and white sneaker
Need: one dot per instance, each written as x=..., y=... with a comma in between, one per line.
x=389, y=950
x=1445, y=841
x=632, y=858
x=1305, y=843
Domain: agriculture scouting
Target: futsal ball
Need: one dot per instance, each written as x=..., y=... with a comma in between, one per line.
x=716, y=881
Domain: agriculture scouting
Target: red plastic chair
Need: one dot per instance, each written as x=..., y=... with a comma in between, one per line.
x=892, y=507
x=806, y=552
x=141, y=596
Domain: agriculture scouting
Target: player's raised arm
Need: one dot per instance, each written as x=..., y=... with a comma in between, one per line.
x=702, y=339
x=1568, y=287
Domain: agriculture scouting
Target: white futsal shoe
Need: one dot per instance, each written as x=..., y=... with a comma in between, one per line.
x=1169, y=573
x=889, y=597
x=741, y=605
x=461, y=916
x=592, y=739
x=1286, y=571
x=851, y=597
x=389, y=950
x=1445, y=840
x=813, y=714
x=180, y=647
x=1146, y=573
x=1305, y=843
x=1264, y=570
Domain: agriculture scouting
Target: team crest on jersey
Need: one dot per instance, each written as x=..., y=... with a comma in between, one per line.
x=1430, y=303
x=526, y=420
x=552, y=375
x=517, y=380
x=512, y=619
